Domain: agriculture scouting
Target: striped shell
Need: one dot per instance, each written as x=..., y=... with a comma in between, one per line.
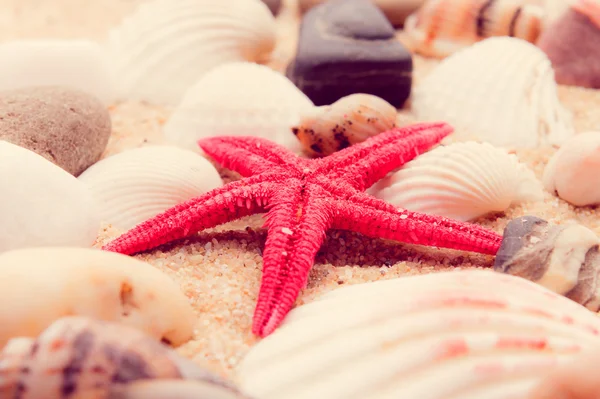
x=509, y=82
x=461, y=181
x=84, y=358
x=442, y=27
x=166, y=46
x=239, y=99
x=348, y=121
x=464, y=334
x=135, y=185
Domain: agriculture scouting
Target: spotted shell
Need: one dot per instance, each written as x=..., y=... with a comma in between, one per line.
x=350, y=120
x=442, y=27
x=460, y=334
x=91, y=359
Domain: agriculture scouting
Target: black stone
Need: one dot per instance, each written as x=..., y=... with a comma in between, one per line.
x=347, y=47
x=274, y=5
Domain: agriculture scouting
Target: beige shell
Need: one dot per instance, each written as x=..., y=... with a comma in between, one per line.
x=461, y=334
x=348, y=121
x=94, y=359
x=135, y=185
x=165, y=46
x=461, y=181
x=572, y=173
x=45, y=284
x=500, y=90
x=239, y=99
x=174, y=389
x=442, y=27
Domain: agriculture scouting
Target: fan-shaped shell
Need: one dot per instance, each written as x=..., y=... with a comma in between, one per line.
x=239, y=99
x=500, y=90
x=135, y=185
x=572, y=173
x=166, y=46
x=348, y=121
x=467, y=334
x=442, y=27
x=461, y=181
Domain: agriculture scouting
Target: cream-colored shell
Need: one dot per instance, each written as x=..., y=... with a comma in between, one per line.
x=573, y=172
x=500, y=90
x=165, y=46
x=45, y=284
x=42, y=204
x=239, y=99
x=461, y=181
x=135, y=185
x=176, y=389
x=78, y=64
x=466, y=334
x=348, y=121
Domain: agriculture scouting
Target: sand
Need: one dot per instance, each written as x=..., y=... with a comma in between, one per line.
x=220, y=270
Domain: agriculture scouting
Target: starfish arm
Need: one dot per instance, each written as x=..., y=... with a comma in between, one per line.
x=376, y=218
x=364, y=164
x=222, y=205
x=249, y=155
x=297, y=227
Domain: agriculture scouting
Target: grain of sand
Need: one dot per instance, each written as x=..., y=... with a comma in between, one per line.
x=220, y=270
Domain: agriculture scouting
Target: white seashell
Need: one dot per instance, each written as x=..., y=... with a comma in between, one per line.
x=500, y=90
x=467, y=334
x=348, y=121
x=166, y=46
x=460, y=181
x=239, y=99
x=133, y=186
x=78, y=64
x=572, y=173
x=42, y=204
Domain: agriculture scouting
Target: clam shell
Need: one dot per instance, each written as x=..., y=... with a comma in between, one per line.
x=466, y=334
x=135, y=185
x=174, y=389
x=239, y=99
x=165, y=46
x=348, y=121
x=572, y=172
x=500, y=90
x=461, y=181
x=442, y=27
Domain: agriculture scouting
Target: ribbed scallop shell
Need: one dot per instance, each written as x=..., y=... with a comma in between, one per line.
x=461, y=181
x=239, y=99
x=442, y=27
x=453, y=335
x=500, y=90
x=166, y=46
x=348, y=121
x=137, y=184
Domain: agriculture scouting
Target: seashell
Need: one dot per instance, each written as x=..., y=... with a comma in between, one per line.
x=174, y=389
x=135, y=185
x=461, y=181
x=92, y=283
x=510, y=84
x=442, y=27
x=239, y=99
x=561, y=258
x=68, y=355
x=348, y=121
x=572, y=173
x=463, y=334
x=572, y=44
x=77, y=64
x=165, y=46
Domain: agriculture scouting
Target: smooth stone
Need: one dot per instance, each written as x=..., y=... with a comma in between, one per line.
x=347, y=47
x=396, y=11
x=77, y=64
x=42, y=205
x=45, y=284
x=274, y=5
x=68, y=127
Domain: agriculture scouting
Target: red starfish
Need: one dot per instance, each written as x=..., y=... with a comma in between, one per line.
x=304, y=198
